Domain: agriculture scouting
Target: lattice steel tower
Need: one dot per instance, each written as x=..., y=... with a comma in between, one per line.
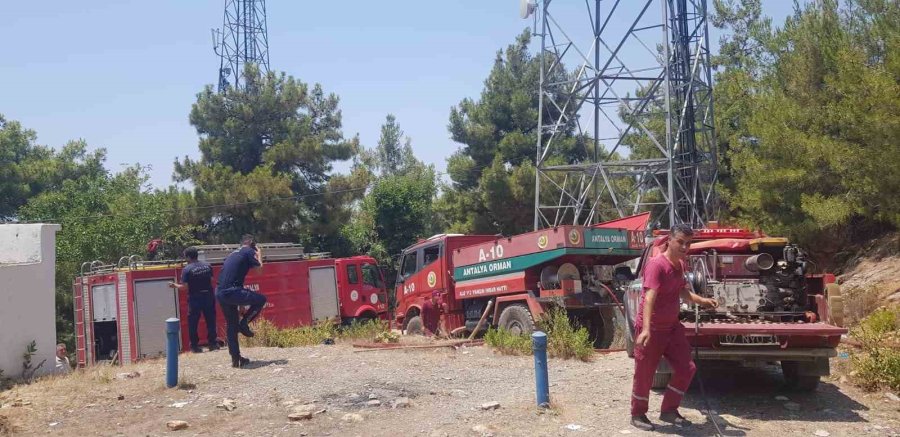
x=243, y=40
x=640, y=94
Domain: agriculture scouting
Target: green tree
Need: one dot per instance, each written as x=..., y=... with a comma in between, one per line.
x=277, y=141
x=398, y=207
x=498, y=134
x=104, y=217
x=815, y=149
x=394, y=151
x=28, y=169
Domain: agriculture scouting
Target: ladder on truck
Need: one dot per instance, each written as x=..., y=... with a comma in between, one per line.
x=216, y=253
x=211, y=253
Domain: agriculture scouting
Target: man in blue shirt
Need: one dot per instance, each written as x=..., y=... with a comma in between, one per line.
x=231, y=293
x=197, y=278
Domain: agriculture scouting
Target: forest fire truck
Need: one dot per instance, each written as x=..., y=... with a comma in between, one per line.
x=521, y=276
x=771, y=307
x=120, y=310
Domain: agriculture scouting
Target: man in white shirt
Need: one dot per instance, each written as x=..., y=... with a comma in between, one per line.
x=63, y=367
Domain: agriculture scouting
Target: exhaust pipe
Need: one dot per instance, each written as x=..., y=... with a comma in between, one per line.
x=760, y=262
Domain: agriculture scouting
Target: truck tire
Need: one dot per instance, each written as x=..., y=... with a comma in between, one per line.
x=660, y=380
x=601, y=329
x=628, y=332
x=796, y=381
x=415, y=326
x=517, y=320
x=835, y=304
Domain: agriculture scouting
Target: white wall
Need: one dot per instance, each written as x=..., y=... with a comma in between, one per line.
x=27, y=297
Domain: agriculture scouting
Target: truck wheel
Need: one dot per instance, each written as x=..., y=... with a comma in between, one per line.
x=517, y=320
x=415, y=326
x=660, y=380
x=601, y=330
x=835, y=304
x=794, y=380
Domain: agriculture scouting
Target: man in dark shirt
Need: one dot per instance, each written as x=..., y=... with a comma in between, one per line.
x=197, y=278
x=231, y=293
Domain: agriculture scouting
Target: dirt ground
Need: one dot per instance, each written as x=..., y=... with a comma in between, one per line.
x=445, y=388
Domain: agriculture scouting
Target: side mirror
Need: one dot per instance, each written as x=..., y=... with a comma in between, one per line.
x=623, y=273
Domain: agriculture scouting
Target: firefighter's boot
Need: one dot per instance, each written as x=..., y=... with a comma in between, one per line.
x=642, y=423
x=674, y=418
x=239, y=362
x=244, y=328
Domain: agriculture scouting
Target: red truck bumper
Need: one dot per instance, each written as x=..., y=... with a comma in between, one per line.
x=764, y=341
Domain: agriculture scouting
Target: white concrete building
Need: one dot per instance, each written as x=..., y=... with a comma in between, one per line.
x=27, y=296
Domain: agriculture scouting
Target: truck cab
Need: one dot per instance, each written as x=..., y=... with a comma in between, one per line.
x=425, y=268
x=361, y=290
x=772, y=308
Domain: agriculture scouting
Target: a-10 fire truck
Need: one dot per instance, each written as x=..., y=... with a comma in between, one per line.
x=120, y=310
x=521, y=276
x=771, y=307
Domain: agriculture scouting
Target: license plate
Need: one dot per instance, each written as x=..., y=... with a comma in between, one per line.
x=748, y=340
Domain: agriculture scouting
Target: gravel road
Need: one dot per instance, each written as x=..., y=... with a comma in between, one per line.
x=445, y=389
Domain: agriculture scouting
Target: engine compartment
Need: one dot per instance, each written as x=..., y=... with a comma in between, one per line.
x=770, y=285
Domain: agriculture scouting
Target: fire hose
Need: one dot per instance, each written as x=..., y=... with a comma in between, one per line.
x=709, y=414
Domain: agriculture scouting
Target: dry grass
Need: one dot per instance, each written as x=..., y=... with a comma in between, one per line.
x=860, y=302
x=268, y=335
x=57, y=394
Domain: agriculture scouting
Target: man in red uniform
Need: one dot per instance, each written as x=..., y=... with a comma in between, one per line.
x=660, y=334
x=432, y=311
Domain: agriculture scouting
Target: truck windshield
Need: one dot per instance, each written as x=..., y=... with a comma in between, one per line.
x=371, y=275
x=408, y=265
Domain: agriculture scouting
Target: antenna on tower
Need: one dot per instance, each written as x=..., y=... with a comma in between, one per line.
x=526, y=8
x=243, y=39
x=637, y=88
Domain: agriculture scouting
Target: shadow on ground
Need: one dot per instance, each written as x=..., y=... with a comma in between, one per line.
x=750, y=393
x=263, y=363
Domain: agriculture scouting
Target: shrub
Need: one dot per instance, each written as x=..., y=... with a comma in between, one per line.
x=563, y=339
x=508, y=343
x=367, y=330
x=269, y=335
x=882, y=321
x=877, y=365
x=387, y=337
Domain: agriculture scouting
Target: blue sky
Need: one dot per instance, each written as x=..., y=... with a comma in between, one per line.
x=123, y=74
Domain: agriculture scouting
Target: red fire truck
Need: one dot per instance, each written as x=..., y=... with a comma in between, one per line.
x=120, y=310
x=520, y=276
x=772, y=308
